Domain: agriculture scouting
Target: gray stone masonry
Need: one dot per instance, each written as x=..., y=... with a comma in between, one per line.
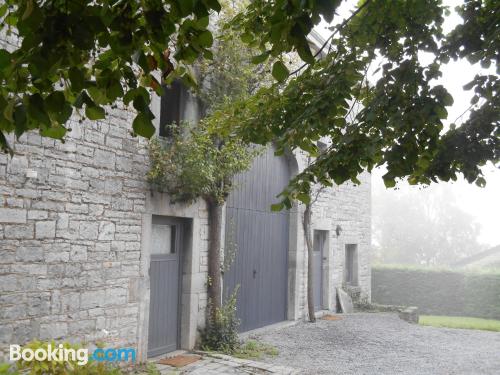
x=71, y=237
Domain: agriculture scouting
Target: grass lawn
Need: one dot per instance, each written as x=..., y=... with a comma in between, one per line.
x=460, y=322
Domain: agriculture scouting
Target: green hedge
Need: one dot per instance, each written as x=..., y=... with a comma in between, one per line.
x=438, y=291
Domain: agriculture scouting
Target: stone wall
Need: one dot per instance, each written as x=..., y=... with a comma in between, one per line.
x=74, y=248
x=439, y=292
x=71, y=237
x=74, y=255
x=348, y=206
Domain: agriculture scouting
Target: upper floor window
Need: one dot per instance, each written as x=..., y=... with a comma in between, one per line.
x=172, y=107
x=176, y=105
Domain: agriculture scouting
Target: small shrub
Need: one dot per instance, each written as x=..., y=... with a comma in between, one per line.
x=152, y=370
x=8, y=369
x=144, y=369
x=221, y=333
x=255, y=350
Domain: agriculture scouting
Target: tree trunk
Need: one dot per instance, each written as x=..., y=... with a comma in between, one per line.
x=214, y=256
x=310, y=267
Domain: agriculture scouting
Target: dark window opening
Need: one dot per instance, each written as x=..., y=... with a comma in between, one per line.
x=351, y=265
x=320, y=237
x=172, y=108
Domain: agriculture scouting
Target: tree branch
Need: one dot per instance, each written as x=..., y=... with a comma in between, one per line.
x=340, y=27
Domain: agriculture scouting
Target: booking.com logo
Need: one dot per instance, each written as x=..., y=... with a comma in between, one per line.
x=80, y=356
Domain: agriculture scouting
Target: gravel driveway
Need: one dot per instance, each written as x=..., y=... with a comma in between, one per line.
x=381, y=343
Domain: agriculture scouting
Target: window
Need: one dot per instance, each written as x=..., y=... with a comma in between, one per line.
x=320, y=237
x=172, y=107
x=351, y=265
x=163, y=239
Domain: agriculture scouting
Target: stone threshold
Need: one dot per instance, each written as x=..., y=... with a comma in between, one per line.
x=222, y=364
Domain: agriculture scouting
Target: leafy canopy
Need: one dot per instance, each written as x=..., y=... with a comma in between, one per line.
x=196, y=161
x=398, y=120
x=80, y=55
x=197, y=165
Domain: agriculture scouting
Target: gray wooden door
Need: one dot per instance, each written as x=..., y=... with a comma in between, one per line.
x=319, y=241
x=166, y=244
x=257, y=239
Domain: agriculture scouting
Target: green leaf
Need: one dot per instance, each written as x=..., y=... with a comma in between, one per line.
x=114, y=91
x=8, y=111
x=448, y=100
x=82, y=99
x=304, y=198
x=305, y=52
x=20, y=120
x=95, y=112
x=247, y=38
x=481, y=182
x=469, y=85
x=64, y=114
x=56, y=132
x=441, y=112
x=205, y=39
x=280, y=72
x=186, y=7
x=133, y=93
x=55, y=102
x=36, y=109
x=207, y=54
x=77, y=79
x=389, y=182
x=277, y=207
x=140, y=58
x=213, y=4
x=485, y=63
x=187, y=54
x=327, y=9
x=98, y=95
x=3, y=9
x=189, y=79
x=4, y=59
x=260, y=58
x=203, y=22
x=140, y=104
x=143, y=125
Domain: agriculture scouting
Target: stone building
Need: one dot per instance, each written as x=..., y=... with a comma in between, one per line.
x=88, y=252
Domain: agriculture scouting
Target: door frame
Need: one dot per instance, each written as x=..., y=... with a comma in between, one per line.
x=179, y=225
x=193, y=273
x=323, y=262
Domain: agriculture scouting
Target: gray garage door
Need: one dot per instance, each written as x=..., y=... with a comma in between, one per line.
x=258, y=238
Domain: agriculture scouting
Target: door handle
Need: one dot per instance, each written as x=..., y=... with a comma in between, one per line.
x=254, y=273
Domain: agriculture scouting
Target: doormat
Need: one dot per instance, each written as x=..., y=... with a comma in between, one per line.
x=331, y=317
x=180, y=360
